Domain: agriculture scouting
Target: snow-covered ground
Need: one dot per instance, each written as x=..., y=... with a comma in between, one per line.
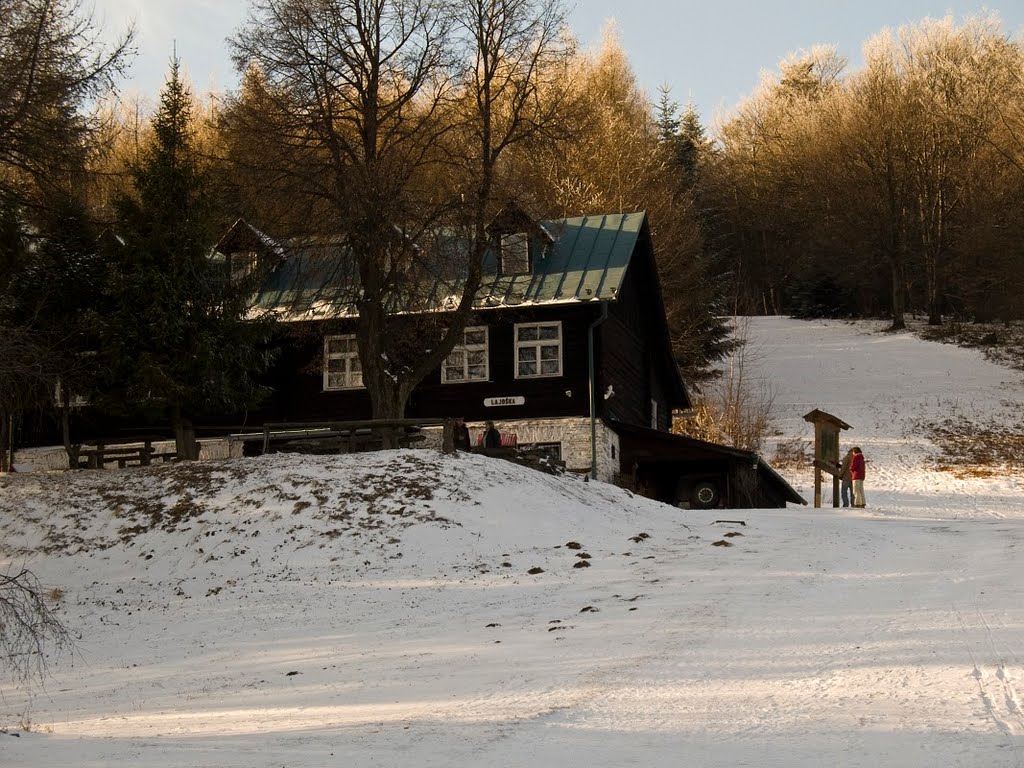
x=379, y=610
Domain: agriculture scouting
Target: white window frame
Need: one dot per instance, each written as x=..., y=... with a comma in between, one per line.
x=515, y=253
x=348, y=356
x=538, y=344
x=464, y=349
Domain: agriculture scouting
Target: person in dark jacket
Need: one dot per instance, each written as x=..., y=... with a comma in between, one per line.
x=857, y=475
x=461, y=435
x=492, y=437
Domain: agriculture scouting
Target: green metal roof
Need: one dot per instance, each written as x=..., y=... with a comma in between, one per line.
x=582, y=259
x=587, y=260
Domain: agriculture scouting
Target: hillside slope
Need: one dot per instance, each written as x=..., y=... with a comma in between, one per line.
x=381, y=609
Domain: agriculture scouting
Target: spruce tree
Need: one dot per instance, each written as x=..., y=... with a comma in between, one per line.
x=57, y=296
x=177, y=341
x=698, y=285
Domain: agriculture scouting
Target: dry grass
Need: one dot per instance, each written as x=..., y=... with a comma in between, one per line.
x=1001, y=343
x=970, y=449
x=795, y=453
x=736, y=408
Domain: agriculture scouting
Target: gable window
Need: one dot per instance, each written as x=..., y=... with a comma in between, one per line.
x=515, y=253
x=243, y=264
x=538, y=350
x=468, y=360
x=342, y=368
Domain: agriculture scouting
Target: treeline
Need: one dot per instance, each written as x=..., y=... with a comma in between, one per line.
x=386, y=124
x=889, y=190
x=376, y=122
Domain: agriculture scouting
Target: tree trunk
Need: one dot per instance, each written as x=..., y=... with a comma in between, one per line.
x=388, y=389
x=934, y=287
x=899, y=323
x=65, y=428
x=448, y=437
x=72, y=450
x=6, y=458
x=388, y=403
x=185, y=445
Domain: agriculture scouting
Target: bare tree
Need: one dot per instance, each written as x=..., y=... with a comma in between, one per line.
x=763, y=181
x=28, y=626
x=389, y=118
x=888, y=190
x=28, y=377
x=735, y=409
x=52, y=64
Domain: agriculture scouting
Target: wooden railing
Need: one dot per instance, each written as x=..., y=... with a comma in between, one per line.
x=130, y=452
x=344, y=436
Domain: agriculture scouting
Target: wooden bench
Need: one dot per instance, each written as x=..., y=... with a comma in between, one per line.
x=122, y=452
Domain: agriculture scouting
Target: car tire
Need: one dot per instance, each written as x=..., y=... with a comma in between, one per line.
x=705, y=495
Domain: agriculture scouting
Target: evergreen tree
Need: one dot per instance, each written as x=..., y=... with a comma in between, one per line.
x=57, y=295
x=177, y=341
x=696, y=289
x=666, y=115
x=691, y=142
x=683, y=137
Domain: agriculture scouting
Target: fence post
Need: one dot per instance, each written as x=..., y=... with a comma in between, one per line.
x=448, y=437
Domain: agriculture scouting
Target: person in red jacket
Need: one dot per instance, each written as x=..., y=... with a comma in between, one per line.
x=857, y=475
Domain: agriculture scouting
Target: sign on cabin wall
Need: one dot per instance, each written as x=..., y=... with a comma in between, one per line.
x=491, y=402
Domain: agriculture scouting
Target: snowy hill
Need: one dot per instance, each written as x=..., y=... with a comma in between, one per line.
x=409, y=609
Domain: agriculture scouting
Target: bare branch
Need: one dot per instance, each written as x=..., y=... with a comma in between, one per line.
x=29, y=628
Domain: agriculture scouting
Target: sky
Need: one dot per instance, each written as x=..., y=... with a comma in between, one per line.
x=709, y=53
x=385, y=609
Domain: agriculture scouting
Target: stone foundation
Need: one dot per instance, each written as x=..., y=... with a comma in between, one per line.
x=571, y=434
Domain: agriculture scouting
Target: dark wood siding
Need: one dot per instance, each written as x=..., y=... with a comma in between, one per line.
x=623, y=368
x=633, y=359
x=298, y=379
x=626, y=355
x=565, y=395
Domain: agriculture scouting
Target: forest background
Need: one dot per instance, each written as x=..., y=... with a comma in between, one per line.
x=888, y=190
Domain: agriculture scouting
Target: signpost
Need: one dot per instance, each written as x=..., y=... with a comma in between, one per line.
x=826, y=451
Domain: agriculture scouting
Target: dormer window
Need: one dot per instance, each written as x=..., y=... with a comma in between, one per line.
x=243, y=264
x=515, y=253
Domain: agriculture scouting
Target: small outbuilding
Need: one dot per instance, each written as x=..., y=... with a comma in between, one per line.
x=692, y=473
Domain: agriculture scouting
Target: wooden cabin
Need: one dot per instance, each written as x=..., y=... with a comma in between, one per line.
x=568, y=348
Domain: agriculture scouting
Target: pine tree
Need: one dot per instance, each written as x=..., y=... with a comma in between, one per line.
x=177, y=341
x=691, y=142
x=57, y=295
x=696, y=289
x=682, y=136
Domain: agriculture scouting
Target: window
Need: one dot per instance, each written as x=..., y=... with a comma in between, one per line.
x=342, y=368
x=515, y=254
x=550, y=451
x=538, y=350
x=243, y=264
x=468, y=360
x=654, y=413
x=74, y=401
